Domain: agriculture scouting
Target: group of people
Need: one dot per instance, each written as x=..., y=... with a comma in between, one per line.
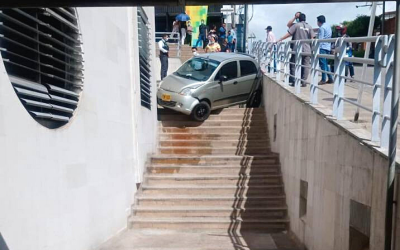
x=185, y=29
x=215, y=40
x=299, y=29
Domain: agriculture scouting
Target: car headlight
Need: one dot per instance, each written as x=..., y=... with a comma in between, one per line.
x=186, y=92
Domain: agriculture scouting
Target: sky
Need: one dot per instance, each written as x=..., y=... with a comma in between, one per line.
x=277, y=15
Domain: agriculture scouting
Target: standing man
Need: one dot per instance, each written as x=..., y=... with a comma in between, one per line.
x=272, y=46
x=164, y=50
x=233, y=33
x=202, y=34
x=222, y=34
x=300, y=31
x=324, y=32
x=189, y=33
x=230, y=41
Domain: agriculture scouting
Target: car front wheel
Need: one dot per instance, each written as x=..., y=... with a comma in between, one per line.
x=201, y=111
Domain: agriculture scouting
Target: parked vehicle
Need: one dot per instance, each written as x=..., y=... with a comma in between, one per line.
x=210, y=81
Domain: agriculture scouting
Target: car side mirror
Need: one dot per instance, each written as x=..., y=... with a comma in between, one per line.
x=223, y=78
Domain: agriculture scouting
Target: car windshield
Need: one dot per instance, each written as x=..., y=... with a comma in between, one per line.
x=198, y=69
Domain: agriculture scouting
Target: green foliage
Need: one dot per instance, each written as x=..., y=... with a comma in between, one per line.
x=359, y=53
x=359, y=26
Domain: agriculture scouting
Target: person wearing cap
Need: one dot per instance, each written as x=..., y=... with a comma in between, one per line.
x=164, y=50
x=272, y=46
x=324, y=32
x=300, y=31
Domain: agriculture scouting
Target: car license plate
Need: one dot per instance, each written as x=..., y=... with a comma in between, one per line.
x=166, y=97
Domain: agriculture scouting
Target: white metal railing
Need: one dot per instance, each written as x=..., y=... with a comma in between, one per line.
x=383, y=63
x=174, y=38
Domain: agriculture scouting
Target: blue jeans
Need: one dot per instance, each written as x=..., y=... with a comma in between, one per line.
x=323, y=63
x=274, y=59
x=201, y=38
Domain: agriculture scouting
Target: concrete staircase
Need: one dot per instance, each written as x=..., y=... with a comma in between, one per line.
x=219, y=175
x=186, y=52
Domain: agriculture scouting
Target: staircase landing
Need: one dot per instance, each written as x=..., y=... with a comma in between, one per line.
x=152, y=239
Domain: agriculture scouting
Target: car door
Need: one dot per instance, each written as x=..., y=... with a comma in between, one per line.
x=224, y=92
x=248, y=73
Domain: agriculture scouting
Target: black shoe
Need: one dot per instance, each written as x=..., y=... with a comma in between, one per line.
x=330, y=81
x=303, y=85
x=291, y=84
x=321, y=82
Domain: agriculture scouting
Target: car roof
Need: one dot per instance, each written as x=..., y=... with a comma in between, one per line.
x=222, y=56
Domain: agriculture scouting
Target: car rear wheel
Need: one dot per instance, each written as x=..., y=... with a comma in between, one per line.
x=201, y=112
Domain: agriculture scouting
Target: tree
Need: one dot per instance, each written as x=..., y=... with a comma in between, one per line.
x=359, y=26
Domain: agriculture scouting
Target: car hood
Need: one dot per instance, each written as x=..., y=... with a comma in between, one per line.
x=176, y=84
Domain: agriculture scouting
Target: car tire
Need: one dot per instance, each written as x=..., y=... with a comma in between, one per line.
x=201, y=111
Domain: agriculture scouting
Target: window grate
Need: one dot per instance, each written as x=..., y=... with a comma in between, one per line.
x=144, y=58
x=42, y=53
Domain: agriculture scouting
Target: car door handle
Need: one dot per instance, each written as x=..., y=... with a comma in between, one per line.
x=235, y=82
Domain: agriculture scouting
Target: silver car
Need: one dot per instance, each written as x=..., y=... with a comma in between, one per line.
x=208, y=82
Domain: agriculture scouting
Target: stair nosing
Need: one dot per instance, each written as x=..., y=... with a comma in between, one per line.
x=146, y=186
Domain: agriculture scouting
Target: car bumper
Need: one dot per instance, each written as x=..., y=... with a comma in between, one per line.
x=180, y=103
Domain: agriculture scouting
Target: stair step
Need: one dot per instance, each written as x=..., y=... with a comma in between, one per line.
x=236, y=111
x=273, y=200
x=213, y=136
x=219, y=129
x=214, y=150
x=213, y=180
x=212, y=123
x=213, y=143
x=196, y=223
x=218, y=190
x=225, y=117
x=214, y=169
x=210, y=212
x=215, y=159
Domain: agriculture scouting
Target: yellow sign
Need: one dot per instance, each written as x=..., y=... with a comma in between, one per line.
x=196, y=13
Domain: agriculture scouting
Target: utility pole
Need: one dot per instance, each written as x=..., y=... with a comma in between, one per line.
x=366, y=55
x=245, y=28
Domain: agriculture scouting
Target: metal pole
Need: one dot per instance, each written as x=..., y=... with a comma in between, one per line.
x=245, y=29
x=383, y=18
x=366, y=55
x=393, y=138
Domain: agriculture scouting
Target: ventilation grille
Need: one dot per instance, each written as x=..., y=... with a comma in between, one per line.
x=144, y=58
x=42, y=53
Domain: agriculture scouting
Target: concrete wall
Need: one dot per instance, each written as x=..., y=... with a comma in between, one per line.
x=336, y=163
x=145, y=125
x=72, y=188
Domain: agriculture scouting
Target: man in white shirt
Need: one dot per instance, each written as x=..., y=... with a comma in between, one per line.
x=164, y=50
x=272, y=46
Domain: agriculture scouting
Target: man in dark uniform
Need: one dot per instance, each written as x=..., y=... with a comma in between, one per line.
x=164, y=50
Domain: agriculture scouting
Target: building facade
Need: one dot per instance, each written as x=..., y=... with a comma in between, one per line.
x=74, y=135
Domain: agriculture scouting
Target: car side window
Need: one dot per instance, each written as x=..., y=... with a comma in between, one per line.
x=229, y=70
x=247, y=68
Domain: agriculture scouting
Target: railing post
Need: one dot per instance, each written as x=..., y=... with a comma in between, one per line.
x=338, y=88
x=278, y=62
x=298, y=67
x=387, y=94
x=269, y=57
x=314, y=72
x=286, y=63
x=341, y=73
x=376, y=93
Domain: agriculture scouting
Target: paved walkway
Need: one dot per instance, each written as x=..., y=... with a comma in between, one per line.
x=170, y=240
x=351, y=92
